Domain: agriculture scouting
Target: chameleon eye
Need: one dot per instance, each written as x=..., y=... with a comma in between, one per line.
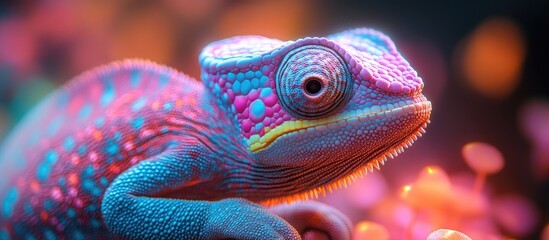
x=313, y=82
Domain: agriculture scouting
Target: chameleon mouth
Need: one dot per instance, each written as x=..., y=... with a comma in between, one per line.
x=353, y=118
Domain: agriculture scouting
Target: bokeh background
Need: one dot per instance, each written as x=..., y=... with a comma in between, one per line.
x=483, y=64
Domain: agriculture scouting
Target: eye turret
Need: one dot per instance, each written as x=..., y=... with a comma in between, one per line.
x=313, y=82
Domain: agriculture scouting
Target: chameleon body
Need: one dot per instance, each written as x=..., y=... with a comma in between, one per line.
x=138, y=150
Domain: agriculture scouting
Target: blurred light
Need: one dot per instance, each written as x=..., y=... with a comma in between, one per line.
x=18, y=46
x=480, y=234
x=265, y=18
x=366, y=192
x=493, y=56
x=146, y=33
x=56, y=20
x=433, y=201
x=421, y=230
x=516, y=214
x=465, y=204
x=430, y=191
x=433, y=174
x=464, y=179
x=534, y=121
x=482, y=158
x=482, y=227
x=363, y=194
x=91, y=46
x=86, y=54
x=370, y=231
x=410, y=196
x=194, y=12
x=433, y=188
x=97, y=16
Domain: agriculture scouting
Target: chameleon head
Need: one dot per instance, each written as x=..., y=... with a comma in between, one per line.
x=334, y=106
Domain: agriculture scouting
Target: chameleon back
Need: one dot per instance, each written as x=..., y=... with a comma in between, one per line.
x=58, y=162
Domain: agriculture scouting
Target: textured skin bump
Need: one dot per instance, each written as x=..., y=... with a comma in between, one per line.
x=136, y=150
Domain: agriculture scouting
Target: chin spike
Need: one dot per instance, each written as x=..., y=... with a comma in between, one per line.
x=376, y=165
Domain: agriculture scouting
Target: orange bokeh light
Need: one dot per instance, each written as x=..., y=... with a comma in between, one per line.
x=147, y=33
x=493, y=57
x=370, y=230
x=264, y=18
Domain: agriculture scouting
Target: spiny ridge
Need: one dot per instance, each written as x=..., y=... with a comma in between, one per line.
x=350, y=178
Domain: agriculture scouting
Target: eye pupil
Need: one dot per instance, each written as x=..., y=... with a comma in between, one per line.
x=313, y=86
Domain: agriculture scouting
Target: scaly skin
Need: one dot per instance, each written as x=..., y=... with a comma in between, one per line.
x=138, y=150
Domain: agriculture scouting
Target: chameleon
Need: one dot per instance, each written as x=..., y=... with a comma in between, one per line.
x=138, y=150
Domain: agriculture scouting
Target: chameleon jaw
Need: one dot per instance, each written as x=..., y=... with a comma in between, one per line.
x=374, y=163
x=355, y=117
